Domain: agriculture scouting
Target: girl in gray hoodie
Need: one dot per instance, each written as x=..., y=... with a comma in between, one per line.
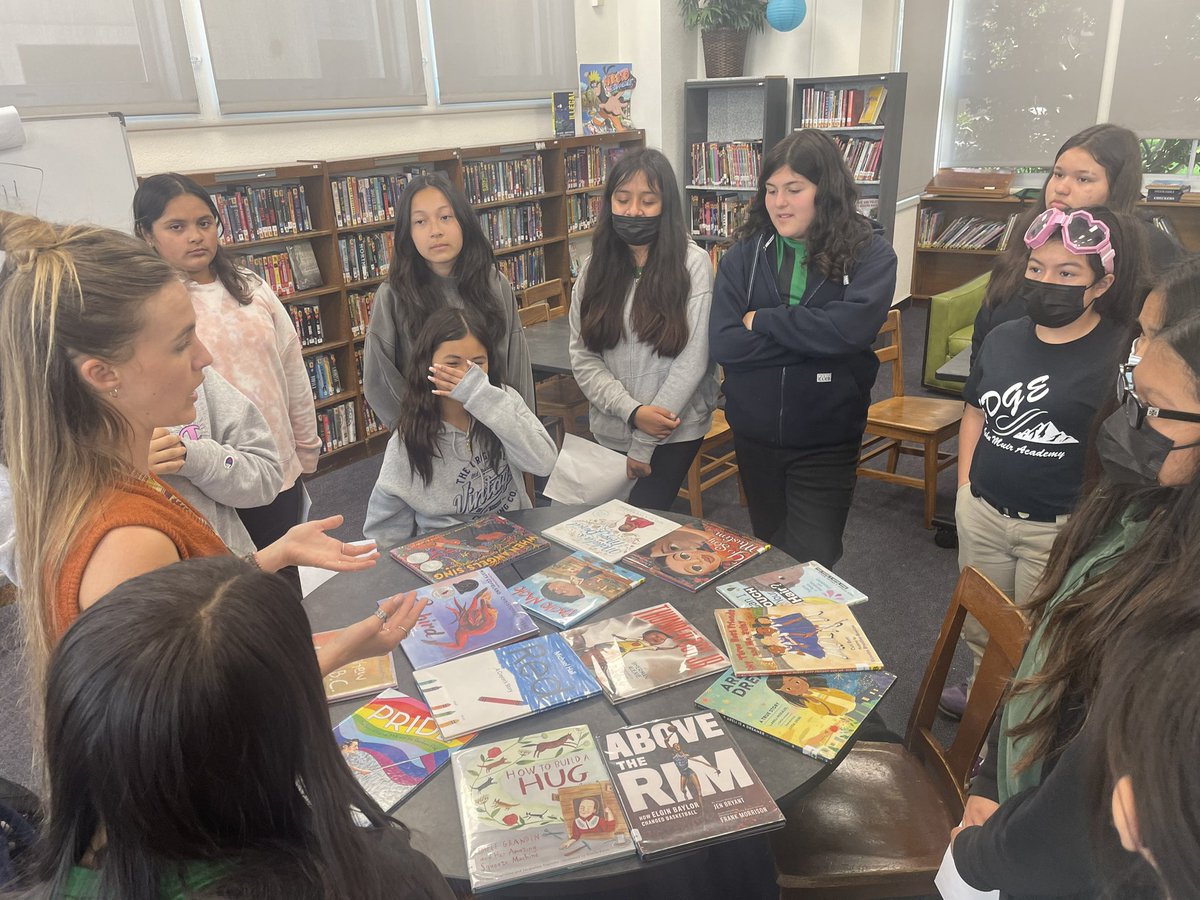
x=462, y=441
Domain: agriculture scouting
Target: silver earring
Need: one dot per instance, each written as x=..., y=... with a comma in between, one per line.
x=113, y=393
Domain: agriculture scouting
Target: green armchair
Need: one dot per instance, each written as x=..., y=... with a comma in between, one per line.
x=948, y=332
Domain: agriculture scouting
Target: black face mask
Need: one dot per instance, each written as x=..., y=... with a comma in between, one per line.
x=1053, y=305
x=636, y=231
x=1131, y=455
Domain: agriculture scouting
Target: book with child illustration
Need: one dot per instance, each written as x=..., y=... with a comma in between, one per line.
x=471, y=612
x=693, y=556
x=802, y=637
x=490, y=541
x=573, y=588
x=816, y=714
x=504, y=684
x=392, y=745
x=359, y=678
x=684, y=782
x=535, y=805
x=610, y=531
x=791, y=585
x=645, y=651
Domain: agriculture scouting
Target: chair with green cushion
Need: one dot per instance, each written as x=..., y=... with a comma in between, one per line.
x=948, y=332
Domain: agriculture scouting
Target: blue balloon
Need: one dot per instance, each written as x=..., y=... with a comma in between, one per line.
x=784, y=15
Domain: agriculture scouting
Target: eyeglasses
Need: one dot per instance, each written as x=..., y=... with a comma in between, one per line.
x=1136, y=411
x=1081, y=234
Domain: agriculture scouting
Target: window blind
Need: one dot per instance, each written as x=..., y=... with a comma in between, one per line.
x=1155, y=88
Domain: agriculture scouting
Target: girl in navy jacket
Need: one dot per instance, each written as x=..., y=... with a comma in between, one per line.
x=796, y=307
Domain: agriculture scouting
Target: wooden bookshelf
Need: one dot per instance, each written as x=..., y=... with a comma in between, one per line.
x=879, y=191
x=724, y=112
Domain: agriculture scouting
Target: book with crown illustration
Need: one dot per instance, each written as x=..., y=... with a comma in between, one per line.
x=573, y=588
x=490, y=541
x=467, y=613
x=791, y=585
x=610, y=531
x=796, y=637
x=535, y=805
x=392, y=745
x=693, y=556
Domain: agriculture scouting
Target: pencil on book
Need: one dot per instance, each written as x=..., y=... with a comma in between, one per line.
x=504, y=700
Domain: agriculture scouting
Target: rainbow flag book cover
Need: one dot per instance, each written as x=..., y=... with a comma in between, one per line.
x=392, y=745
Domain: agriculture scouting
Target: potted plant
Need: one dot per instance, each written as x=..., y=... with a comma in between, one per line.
x=724, y=26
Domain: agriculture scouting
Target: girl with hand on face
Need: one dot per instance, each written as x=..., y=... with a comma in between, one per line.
x=440, y=258
x=100, y=339
x=797, y=305
x=246, y=329
x=1128, y=557
x=463, y=439
x=639, y=330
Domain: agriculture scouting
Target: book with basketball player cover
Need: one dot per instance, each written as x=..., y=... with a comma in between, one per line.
x=504, y=684
x=816, y=714
x=392, y=745
x=359, y=678
x=573, y=588
x=490, y=541
x=812, y=637
x=644, y=651
x=610, y=531
x=684, y=782
x=693, y=556
x=535, y=805
x=471, y=612
x=791, y=585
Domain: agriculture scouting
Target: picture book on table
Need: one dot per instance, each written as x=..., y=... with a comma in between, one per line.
x=610, y=531
x=392, y=745
x=359, y=678
x=504, y=684
x=816, y=714
x=796, y=637
x=684, y=782
x=605, y=97
x=692, y=556
x=490, y=541
x=563, y=104
x=791, y=585
x=471, y=612
x=535, y=805
x=574, y=587
x=642, y=652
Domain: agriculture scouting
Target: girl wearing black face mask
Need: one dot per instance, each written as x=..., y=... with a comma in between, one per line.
x=1032, y=396
x=1130, y=554
x=639, y=329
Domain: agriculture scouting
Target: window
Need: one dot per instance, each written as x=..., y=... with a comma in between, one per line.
x=1157, y=61
x=503, y=49
x=1170, y=156
x=77, y=56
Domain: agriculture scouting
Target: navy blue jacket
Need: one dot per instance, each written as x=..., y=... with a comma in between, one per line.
x=802, y=377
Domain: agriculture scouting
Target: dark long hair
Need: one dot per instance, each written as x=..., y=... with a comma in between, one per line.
x=838, y=233
x=474, y=269
x=1117, y=151
x=420, y=421
x=659, y=313
x=185, y=716
x=149, y=204
x=1148, y=723
x=1180, y=289
x=1147, y=582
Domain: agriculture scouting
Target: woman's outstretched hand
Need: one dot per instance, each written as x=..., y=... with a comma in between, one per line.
x=377, y=634
x=309, y=545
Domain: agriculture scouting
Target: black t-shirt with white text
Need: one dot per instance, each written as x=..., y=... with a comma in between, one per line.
x=1038, y=401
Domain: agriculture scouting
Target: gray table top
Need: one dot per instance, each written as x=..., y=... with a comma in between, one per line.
x=432, y=811
x=548, y=346
x=958, y=368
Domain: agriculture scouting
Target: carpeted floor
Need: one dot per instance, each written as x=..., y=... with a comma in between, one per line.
x=888, y=554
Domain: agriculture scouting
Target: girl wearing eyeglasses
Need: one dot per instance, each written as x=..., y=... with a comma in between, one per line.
x=1125, y=558
x=1033, y=393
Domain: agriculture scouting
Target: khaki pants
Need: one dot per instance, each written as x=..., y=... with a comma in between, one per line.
x=1011, y=552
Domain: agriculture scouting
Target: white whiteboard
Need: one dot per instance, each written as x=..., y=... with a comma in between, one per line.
x=75, y=169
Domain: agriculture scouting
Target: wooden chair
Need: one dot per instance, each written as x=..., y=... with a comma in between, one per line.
x=899, y=421
x=534, y=315
x=879, y=825
x=559, y=397
x=551, y=292
x=714, y=462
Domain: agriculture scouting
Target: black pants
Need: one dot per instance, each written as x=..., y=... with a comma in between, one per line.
x=269, y=523
x=668, y=468
x=799, y=498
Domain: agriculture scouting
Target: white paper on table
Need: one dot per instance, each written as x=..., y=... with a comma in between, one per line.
x=587, y=474
x=951, y=885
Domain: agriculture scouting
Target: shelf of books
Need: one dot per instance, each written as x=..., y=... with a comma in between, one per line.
x=729, y=123
x=864, y=114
